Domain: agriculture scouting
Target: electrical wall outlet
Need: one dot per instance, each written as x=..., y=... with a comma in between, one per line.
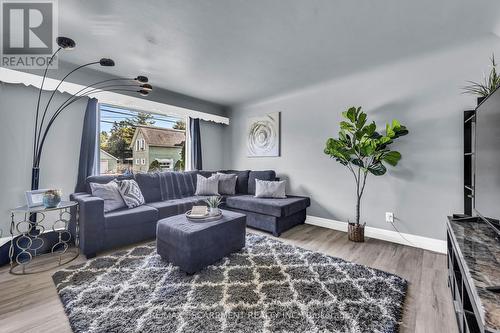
x=389, y=217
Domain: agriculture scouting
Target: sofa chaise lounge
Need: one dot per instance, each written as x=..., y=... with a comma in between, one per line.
x=171, y=193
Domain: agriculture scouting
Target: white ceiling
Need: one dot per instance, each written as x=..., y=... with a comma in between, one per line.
x=236, y=51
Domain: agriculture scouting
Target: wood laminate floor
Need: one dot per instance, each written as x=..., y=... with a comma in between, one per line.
x=31, y=304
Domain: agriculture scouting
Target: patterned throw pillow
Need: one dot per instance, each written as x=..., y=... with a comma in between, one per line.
x=109, y=193
x=270, y=189
x=227, y=183
x=131, y=193
x=207, y=186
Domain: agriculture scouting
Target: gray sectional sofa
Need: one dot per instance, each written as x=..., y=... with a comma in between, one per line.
x=172, y=193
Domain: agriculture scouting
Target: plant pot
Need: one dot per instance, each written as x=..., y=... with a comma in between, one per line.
x=356, y=232
x=213, y=211
x=480, y=99
x=51, y=198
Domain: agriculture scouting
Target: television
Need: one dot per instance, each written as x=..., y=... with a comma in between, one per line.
x=487, y=162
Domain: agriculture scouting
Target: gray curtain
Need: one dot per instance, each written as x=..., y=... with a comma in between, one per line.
x=88, y=147
x=194, y=130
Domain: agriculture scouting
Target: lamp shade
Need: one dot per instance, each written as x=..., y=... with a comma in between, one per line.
x=65, y=43
x=106, y=62
x=141, y=79
x=146, y=87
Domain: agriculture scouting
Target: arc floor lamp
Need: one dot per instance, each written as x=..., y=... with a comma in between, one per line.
x=43, y=124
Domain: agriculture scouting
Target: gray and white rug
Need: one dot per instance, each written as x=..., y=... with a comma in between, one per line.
x=267, y=287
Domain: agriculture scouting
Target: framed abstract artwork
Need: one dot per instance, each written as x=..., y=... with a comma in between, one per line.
x=263, y=135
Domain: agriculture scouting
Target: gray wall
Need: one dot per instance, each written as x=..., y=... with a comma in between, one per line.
x=424, y=93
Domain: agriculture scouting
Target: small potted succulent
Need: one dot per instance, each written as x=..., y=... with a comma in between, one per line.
x=213, y=205
x=51, y=198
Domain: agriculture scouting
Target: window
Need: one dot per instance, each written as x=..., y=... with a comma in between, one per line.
x=123, y=149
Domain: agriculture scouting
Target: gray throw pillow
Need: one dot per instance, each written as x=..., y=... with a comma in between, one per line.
x=270, y=189
x=109, y=193
x=207, y=186
x=227, y=183
x=131, y=193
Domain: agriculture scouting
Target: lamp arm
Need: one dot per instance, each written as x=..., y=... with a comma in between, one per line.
x=54, y=117
x=75, y=97
x=35, y=138
x=99, y=88
x=53, y=93
x=91, y=85
x=100, y=82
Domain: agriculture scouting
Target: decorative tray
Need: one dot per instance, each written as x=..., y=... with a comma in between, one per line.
x=205, y=218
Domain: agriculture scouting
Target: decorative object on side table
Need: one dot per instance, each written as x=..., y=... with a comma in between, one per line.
x=488, y=86
x=363, y=150
x=27, y=236
x=263, y=135
x=34, y=198
x=51, y=198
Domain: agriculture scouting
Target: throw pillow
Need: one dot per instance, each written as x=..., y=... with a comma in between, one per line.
x=207, y=186
x=227, y=183
x=109, y=193
x=270, y=189
x=131, y=193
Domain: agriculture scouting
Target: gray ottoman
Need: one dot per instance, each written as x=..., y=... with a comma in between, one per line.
x=195, y=245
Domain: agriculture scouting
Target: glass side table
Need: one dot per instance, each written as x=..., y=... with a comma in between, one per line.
x=27, y=237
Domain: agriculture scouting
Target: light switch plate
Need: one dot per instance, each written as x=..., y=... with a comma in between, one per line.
x=389, y=217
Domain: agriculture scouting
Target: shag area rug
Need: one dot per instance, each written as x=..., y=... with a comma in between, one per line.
x=267, y=287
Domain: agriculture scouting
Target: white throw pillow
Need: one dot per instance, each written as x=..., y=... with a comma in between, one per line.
x=270, y=189
x=109, y=193
x=207, y=186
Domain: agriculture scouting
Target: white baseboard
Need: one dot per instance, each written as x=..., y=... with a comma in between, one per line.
x=425, y=243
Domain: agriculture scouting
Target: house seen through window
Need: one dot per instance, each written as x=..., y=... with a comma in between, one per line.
x=132, y=141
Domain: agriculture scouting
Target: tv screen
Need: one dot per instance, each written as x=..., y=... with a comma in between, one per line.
x=487, y=160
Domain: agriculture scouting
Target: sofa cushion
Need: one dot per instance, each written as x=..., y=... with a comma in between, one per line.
x=175, y=185
x=268, y=206
x=270, y=189
x=130, y=216
x=227, y=183
x=262, y=175
x=178, y=206
x=149, y=183
x=131, y=193
x=103, y=180
x=110, y=193
x=207, y=186
x=241, y=181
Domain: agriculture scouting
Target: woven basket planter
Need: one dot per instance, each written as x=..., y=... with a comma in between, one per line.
x=356, y=232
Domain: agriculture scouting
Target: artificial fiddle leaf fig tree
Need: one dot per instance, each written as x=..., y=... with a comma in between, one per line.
x=363, y=150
